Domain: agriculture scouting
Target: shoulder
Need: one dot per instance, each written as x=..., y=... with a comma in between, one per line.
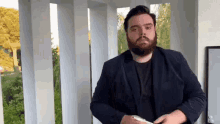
x=174, y=59
x=171, y=55
x=117, y=60
x=115, y=63
x=169, y=51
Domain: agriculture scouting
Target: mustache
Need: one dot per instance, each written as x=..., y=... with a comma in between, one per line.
x=147, y=39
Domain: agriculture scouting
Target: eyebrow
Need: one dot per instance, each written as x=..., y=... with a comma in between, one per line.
x=138, y=25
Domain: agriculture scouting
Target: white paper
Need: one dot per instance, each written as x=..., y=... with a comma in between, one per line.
x=141, y=119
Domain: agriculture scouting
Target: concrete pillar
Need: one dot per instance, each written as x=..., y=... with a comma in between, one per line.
x=74, y=61
x=134, y=3
x=27, y=62
x=104, y=44
x=183, y=30
x=80, y=10
x=112, y=33
x=208, y=35
x=1, y=102
x=36, y=55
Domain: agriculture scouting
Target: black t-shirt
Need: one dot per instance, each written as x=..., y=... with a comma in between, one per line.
x=144, y=71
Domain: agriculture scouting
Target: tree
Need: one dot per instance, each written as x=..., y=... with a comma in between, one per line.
x=122, y=40
x=6, y=61
x=163, y=26
x=13, y=104
x=9, y=27
x=9, y=33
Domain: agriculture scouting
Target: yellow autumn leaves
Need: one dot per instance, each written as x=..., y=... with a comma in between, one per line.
x=6, y=62
x=9, y=34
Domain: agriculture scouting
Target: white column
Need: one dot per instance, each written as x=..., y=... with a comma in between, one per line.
x=80, y=10
x=134, y=3
x=43, y=68
x=27, y=62
x=67, y=62
x=74, y=61
x=183, y=30
x=208, y=35
x=99, y=44
x=112, y=32
x=37, y=69
x=1, y=102
x=104, y=44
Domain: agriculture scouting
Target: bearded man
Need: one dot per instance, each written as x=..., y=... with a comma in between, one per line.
x=148, y=81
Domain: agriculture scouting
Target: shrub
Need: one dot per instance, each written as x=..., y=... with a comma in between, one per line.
x=13, y=101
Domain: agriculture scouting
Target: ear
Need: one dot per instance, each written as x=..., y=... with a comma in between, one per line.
x=155, y=28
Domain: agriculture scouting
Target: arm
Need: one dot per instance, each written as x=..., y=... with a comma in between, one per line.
x=100, y=102
x=194, y=98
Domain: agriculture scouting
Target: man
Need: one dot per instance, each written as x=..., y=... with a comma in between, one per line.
x=146, y=80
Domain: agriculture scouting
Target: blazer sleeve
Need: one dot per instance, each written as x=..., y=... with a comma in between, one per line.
x=195, y=100
x=100, y=105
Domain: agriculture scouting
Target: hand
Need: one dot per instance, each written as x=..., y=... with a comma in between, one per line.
x=176, y=117
x=127, y=119
x=165, y=119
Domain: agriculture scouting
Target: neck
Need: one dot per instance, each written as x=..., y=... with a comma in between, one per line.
x=141, y=59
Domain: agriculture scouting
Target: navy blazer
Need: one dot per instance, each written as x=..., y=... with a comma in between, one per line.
x=175, y=86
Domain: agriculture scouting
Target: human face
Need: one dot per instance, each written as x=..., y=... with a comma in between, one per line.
x=141, y=34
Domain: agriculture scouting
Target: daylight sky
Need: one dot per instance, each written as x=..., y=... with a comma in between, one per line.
x=53, y=16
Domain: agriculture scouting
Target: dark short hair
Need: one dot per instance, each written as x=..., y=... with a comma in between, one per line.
x=140, y=9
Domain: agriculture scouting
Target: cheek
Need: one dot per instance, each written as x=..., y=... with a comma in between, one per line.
x=133, y=37
x=152, y=35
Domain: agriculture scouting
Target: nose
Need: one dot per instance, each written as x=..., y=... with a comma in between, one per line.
x=142, y=31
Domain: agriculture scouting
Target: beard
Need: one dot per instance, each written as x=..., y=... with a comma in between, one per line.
x=143, y=48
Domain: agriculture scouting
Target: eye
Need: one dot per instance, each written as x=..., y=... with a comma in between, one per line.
x=134, y=29
x=148, y=28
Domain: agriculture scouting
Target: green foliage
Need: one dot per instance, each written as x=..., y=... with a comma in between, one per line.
x=58, y=107
x=56, y=68
x=122, y=40
x=13, y=98
x=13, y=101
x=57, y=86
x=163, y=26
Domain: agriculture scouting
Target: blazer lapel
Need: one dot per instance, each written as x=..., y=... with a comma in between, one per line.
x=159, y=70
x=132, y=77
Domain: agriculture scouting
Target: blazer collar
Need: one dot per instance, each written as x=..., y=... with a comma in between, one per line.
x=159, y=69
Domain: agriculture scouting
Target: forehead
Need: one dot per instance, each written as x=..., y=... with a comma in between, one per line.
x=140, y=20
